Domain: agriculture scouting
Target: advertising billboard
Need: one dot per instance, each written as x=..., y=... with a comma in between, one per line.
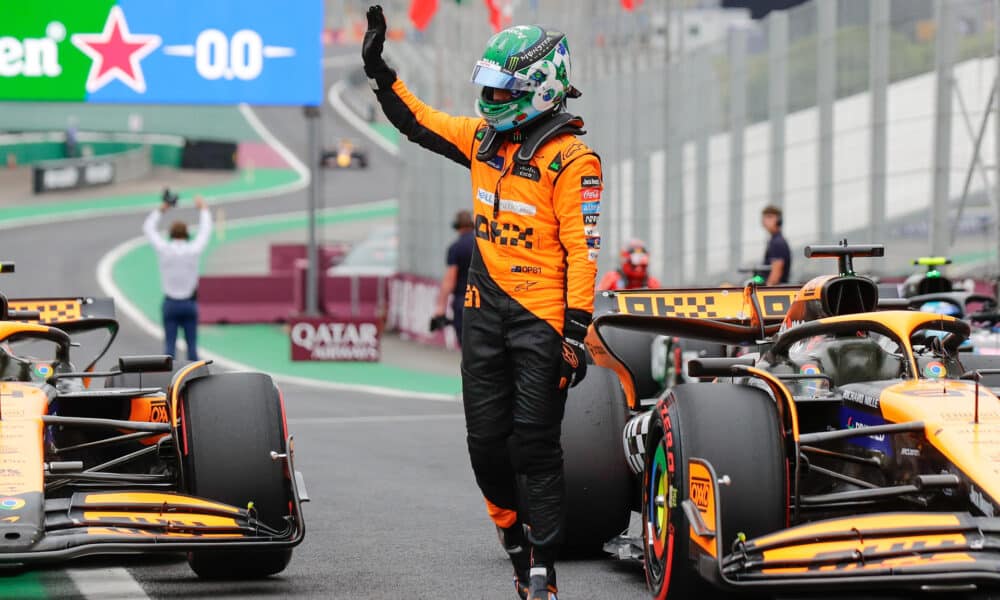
x=177, y=52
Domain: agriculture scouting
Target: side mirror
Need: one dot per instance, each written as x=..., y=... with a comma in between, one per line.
x=146, y=363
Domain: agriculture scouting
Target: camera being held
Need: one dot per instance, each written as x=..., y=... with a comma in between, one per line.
x=169, y=198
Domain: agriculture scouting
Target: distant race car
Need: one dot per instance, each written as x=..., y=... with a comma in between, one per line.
x=198, y=461
x=344, y=156
x=931, y=292
x=855, y=450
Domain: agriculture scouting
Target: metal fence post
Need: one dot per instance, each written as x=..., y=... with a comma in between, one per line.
x=826, y=89
x=878, y=82
x=737, y=123
x=777, y=102
x=996, y=117
x=701, y=129
x=675, y=179
x=944, y=57
x=313, y=123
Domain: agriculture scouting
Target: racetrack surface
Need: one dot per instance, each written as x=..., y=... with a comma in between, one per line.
x=395, y=512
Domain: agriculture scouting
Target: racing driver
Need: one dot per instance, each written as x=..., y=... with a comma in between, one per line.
x=633, y=272
x=536, y=191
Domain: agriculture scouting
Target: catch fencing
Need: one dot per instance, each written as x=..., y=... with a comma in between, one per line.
x=862, y=119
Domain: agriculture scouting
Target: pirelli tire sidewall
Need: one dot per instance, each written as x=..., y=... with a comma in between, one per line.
x=736, y=429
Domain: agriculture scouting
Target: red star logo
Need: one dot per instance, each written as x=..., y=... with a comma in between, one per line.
x=116, y=53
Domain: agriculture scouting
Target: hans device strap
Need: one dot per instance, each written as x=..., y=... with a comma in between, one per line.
x=558, y=124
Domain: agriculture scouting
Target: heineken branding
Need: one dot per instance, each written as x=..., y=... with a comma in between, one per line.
x=183, y=51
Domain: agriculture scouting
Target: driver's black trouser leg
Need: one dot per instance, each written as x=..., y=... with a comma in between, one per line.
x=510, y=371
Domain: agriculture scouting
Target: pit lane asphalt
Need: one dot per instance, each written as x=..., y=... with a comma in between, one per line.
x=395, y=512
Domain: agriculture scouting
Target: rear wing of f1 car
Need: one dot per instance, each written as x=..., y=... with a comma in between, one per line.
x=60, y=311
x=731, y=316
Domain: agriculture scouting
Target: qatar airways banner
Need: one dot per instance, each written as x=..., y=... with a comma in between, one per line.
x=335, y=339
x=168, y=52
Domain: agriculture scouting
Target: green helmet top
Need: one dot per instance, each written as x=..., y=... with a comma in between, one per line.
x=530, y=61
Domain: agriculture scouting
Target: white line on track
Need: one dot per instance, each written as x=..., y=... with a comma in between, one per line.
x=375, y=419
x=337, y=104
x=265, y=134
x=107, y=583
x=105, y=279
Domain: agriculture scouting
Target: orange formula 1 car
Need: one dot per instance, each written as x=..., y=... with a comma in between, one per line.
x=200, y=462
x=856, y=450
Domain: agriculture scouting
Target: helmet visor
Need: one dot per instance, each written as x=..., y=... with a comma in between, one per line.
x=489, y=75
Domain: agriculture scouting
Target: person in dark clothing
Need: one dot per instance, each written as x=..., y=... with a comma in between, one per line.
x=456, y=275
x=536, y=192
x=777, y=255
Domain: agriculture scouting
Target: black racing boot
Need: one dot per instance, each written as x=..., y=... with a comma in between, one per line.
x=515, y=543
x=542, y=584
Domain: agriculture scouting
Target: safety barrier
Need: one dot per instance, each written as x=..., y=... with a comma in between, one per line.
x=75, y=173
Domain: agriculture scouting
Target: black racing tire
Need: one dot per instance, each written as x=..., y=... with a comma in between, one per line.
x=736, y=429
x=230, y=424
x=599, y=485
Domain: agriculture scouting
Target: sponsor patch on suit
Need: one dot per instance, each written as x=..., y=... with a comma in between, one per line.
x=527, y=172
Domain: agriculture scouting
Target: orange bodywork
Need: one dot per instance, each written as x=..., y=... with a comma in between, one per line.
x=171, y=519
x=106, y=499
x=887, y=534
x=146, y=534
x=149, y=409
x=947, y=409
x=21, y=433
x=787, y=410
x=50, y=311
x=724, y=304
x=883, y=521
x=701, y=491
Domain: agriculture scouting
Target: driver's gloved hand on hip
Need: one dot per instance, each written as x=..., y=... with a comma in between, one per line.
x=574, y=353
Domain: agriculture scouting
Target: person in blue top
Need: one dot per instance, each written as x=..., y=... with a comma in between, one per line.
x=456, y=275
x=778, y=255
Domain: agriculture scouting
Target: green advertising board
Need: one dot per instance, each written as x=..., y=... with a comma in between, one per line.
x=37, y=57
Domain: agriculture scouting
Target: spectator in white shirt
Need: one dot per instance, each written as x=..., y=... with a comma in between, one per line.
x=179, y=259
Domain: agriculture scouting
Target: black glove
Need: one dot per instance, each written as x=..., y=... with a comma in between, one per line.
x=379, y=73
x=574, y=363
x=439, y=322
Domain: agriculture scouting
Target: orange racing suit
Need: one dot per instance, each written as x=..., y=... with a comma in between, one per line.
x=535, y=257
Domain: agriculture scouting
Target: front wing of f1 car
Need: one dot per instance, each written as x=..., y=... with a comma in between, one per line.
x=40, y=530
x=919, y=551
